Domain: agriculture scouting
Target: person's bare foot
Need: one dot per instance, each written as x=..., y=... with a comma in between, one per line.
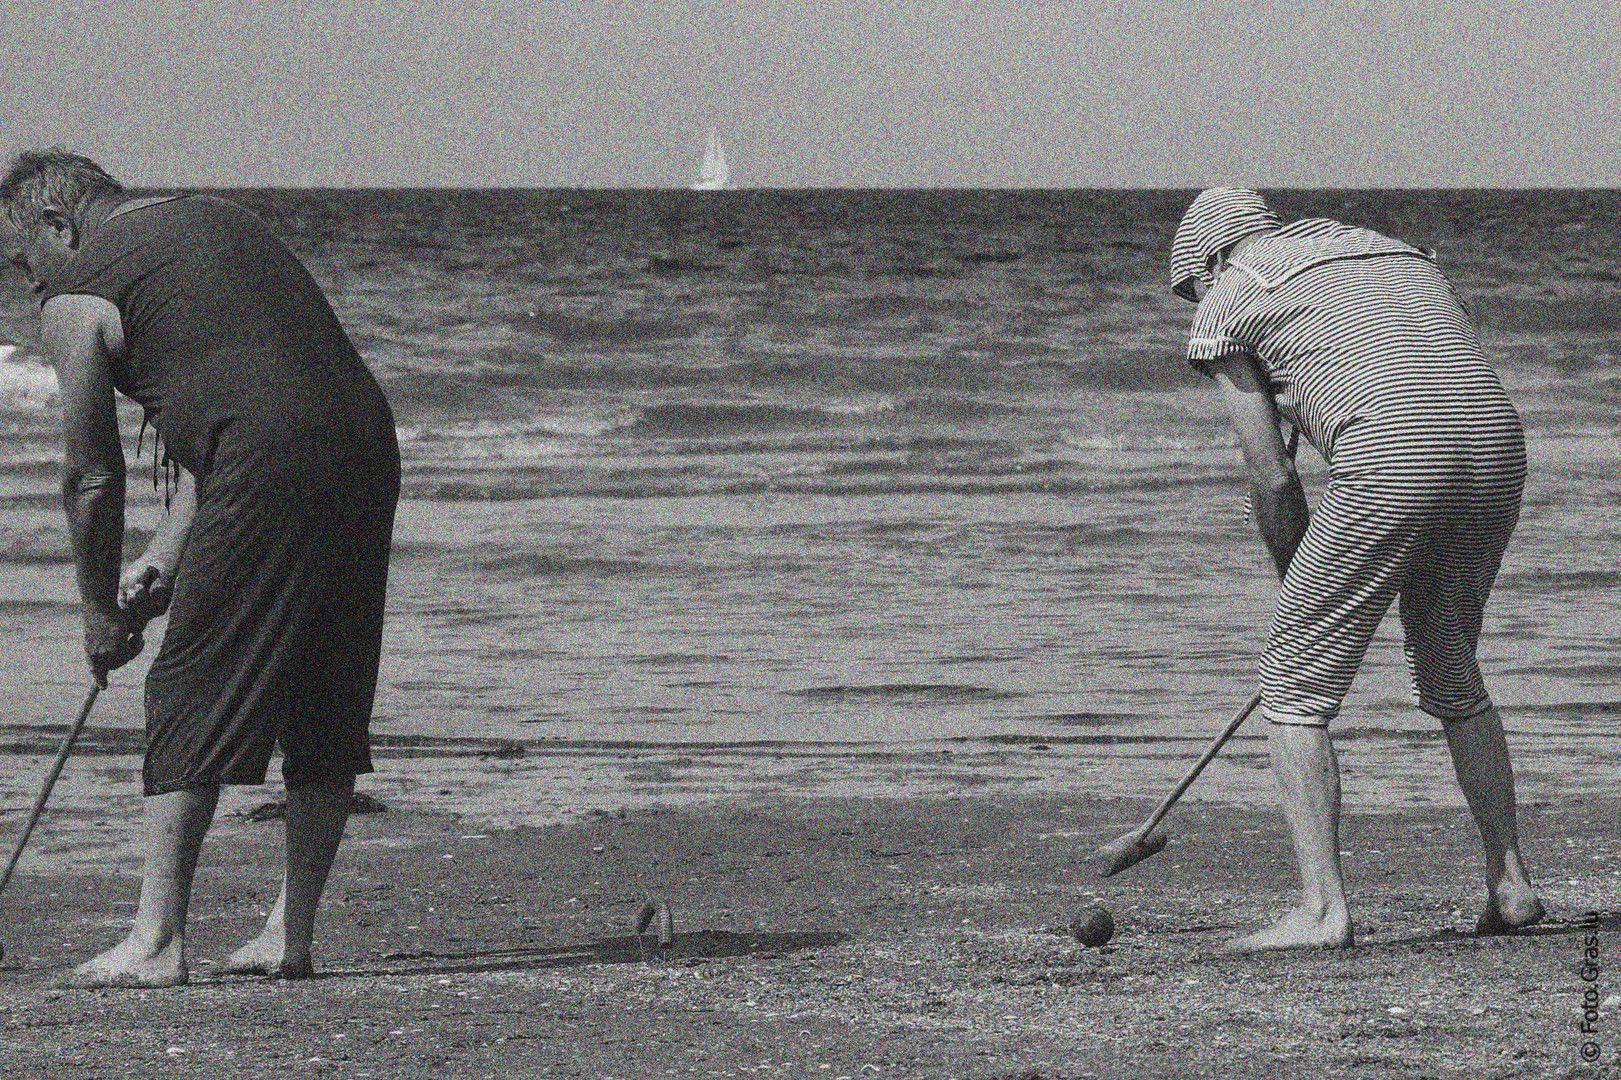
x=267, y=955
x=1509, y=913
x=134, y=964
x=1299, y=929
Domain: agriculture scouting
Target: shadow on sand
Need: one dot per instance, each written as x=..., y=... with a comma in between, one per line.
x=628, y=949
x=1607, y=922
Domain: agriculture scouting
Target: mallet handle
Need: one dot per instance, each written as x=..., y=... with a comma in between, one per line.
x=1187, y=781
x=50, y=782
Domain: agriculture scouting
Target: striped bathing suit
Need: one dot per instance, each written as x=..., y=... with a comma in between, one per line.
x=1371, y=354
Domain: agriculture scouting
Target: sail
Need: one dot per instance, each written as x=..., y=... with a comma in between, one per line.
x=713, y=174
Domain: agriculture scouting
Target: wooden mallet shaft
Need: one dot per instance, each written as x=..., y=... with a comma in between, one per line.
x=1137, y=845
x=50, y=782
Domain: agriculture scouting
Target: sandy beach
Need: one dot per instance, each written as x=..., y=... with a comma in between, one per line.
x=832, y=937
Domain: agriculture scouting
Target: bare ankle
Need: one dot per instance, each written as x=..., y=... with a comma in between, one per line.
x=1323, y=908
x=152, y=942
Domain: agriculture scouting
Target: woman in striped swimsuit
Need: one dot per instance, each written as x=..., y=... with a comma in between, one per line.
x=1358, y=342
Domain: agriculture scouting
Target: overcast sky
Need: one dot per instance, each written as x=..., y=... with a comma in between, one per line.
x=972, y=93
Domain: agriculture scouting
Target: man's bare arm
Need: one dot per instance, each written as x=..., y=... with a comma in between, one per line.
x=1275, y=492
x=75, y=331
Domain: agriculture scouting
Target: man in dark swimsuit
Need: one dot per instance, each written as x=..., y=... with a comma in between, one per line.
x=275, y=547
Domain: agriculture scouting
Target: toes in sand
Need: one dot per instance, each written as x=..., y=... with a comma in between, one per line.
x=1299, y=929
x=263, y=956
x=128, y=967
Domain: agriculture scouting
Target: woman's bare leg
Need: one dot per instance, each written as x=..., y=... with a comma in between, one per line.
x=1480, y=758
x=1308, y=777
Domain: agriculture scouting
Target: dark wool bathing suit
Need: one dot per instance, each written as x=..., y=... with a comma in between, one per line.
x=244, y=371
x=1369, y=351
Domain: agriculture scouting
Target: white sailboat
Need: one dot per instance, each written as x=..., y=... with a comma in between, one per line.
x=713, y=174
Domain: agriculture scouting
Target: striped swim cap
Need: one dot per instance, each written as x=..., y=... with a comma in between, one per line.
x=1218, y=218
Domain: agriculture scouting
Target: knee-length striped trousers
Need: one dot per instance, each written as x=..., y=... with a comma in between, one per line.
x=1419, y=508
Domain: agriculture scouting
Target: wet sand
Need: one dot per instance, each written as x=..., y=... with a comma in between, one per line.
x=838, y=937
x=503, y=783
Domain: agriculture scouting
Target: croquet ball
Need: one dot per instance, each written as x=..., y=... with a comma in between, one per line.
x=1094, y=926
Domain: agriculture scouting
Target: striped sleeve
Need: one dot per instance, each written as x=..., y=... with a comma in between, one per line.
x=1216, y=333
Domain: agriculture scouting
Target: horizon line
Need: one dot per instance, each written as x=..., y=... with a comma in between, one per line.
x=842, y=188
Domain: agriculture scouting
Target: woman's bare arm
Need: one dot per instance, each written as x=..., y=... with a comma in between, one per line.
x=1276, y=495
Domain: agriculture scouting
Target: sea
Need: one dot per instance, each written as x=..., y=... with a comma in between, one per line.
x=758, y=493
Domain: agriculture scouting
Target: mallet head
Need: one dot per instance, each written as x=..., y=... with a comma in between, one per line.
x=1128, y=851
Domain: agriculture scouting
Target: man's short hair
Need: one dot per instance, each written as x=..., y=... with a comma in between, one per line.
x=41, y=180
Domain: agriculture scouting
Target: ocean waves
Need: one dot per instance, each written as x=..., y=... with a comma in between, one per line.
x=857, y=468
x=707, y=419
x=1582, y=314
x=1550, y=582
x=567, y=343
x=706, y=440
x=49, y=544
x=26, y=385
x=452, y=380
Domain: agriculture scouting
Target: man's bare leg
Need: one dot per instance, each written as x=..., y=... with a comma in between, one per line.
x=1308, y=776
x=316, y=816
x=1480, y=758
x=154, y=953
